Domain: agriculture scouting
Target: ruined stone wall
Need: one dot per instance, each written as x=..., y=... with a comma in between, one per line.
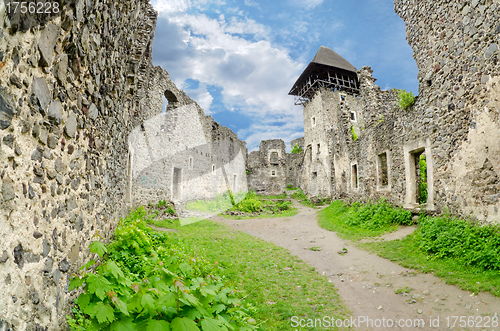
x=267, y=168
x=456, y=48
x=72, y=88
x=183, y=155
x=294, y=164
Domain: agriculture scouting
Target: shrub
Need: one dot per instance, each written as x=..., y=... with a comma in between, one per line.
x=353, y=133
x=444, y=236
x=147, y=281
x=296, y=149
x=405, y=99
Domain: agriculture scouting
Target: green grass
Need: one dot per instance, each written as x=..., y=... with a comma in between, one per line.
x=278, y=284
x=359, y=221
x=461, y=253
x=302, y=198
x=407, y=253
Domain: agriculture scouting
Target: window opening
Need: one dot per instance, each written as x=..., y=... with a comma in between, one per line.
x=354, y=176
x=319, y=150
x=235, y=183
x=273, y=173
x=274, y=158
x=313, y=121
x=191, y=163
x=383, y=178
x=176, y=184
x=353, y=116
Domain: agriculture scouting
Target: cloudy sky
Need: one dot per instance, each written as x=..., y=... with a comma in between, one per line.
x=239, y=58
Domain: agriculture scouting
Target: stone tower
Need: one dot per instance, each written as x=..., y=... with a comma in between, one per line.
x=325, y=89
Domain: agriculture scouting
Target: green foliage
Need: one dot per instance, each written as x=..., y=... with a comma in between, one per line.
x=303, y=199
x=422, y=185
x=290, y=187
x=359, y=220
x=297, y=149
x=149, y=281
x=250, y=204
x=219, y=204
x=353, y=134
x=405, y=99
x=471, y=245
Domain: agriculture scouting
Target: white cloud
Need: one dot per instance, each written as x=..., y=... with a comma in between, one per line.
x=235, y=55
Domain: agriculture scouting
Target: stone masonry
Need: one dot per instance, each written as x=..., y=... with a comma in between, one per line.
x=365, y=146
x=74, y=87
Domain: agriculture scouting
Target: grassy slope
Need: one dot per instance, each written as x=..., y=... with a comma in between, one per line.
x=280, y=285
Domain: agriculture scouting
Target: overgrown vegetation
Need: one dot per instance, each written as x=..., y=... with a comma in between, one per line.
x=302, y=198
x=290, y=187
x=462, y=253
x=254, y=205
x=405, y=99
x=296, y=149
x=422, y=185
x=353, y=134
x=219, y=204
x=278, y=284
x=362, y=220
x=148, y=281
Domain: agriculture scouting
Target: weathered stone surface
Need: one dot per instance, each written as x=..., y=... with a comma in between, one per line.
x=61, y=69
x=42, y=94
x=64, y=265
x=5, y=257
x=71, y=123
x=92, y=112
x=14, y=80
x=491, y=50
x=18, y=256
x=9, y=140
x=47, y=42
x=37, y=235
x=55, y=111
x=52, y=141
x=6, y=108
x=8, y=191
x=45, y=247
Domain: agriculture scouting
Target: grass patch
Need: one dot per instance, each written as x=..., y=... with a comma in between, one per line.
x=302, y=198
x=407, y=253
x=265, y=214
x=359, y=221
x=278, y=284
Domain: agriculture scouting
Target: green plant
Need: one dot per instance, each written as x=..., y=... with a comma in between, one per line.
x=296, y=149
x=422, y=185
x=290, y=187
x=353, y=133
x=402, y=290
x=315, y=249
x=405, y=99
x=361, y=220
x=303, y=199
x=146, y=281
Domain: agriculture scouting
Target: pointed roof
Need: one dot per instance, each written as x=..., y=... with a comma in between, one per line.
x=328, y=57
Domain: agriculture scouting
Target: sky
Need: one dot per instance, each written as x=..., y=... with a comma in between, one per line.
x=238, y=59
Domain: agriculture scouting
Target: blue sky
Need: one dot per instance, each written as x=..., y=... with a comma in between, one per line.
x=239, y=58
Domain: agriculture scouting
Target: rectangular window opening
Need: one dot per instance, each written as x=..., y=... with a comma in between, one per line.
x=313, y=121
x=354, y=176
x=176, y=184
x=383, y=175
x=319, y=148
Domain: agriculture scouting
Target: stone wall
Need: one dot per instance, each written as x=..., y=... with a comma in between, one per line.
x=183, y=155
x=73, y=87
x=294, y=163
x=367, y=147
x=266, y=168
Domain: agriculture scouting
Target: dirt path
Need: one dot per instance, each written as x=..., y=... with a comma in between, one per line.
x=367, y=282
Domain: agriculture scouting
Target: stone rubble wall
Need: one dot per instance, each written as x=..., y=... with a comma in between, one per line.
x=260, y=168
x=73, y=87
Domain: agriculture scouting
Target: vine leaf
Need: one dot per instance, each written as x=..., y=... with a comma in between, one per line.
x=184, y=324
x=154, y=325
x=98, y=285
x=99, y=248
x=115, y=270
x=103, y=313
x=124, y=324
x=210, y=324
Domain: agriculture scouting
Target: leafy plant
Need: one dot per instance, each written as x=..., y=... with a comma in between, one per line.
x=290, y=187
x=422, y=185
x=405, y=99
x=146, y=281
x=303, y=199
x=353, y=133
x=296, y=149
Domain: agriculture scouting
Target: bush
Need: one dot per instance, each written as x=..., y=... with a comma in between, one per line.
x=353, y=133
x=422, y=185
x=296, y=149
x=249, y=204
x=405, y=99
x=473, y=245
x=147, y=281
